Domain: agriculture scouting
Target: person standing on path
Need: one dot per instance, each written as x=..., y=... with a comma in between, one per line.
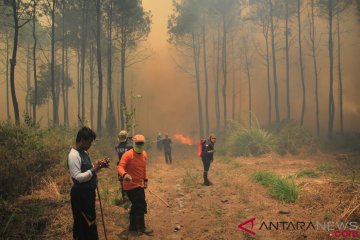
x=83, y=175
x=167, y=148
x=207, y=157
x=123, y=146
x=132, y=168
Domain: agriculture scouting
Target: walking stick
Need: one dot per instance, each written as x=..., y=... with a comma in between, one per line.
x=102, y=215
x=158, y=197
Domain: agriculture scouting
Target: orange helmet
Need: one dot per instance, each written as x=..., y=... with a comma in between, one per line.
x=138, y=138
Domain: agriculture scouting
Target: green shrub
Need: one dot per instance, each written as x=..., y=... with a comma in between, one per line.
x=347, y=142
x=253, y=141
x=292, y=137
x=28, y=152
x=279, y=188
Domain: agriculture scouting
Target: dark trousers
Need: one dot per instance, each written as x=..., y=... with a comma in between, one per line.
x=168, y=158
x=206, y=163
x=138, y=208
x=84, y=214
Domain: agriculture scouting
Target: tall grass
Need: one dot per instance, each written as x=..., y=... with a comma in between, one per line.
x=279, y=188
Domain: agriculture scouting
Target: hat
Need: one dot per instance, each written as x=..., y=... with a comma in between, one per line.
x=138, y=138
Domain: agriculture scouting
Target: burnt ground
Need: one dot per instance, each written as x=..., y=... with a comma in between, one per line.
x=214, y=212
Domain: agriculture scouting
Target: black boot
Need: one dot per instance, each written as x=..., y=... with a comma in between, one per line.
x=140, y=221
x=206, y=180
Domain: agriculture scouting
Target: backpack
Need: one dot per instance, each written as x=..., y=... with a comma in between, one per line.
x=200, y=146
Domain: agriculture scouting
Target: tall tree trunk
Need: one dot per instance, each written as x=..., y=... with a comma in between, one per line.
x=78, y=71
x=111, y=122
x=206, y=78
x=340, y=76
x=224, y=68
x=288, y=106
x=196, y=52
x=7, y=78
x=123, y=109
x=28, y=86
x=266, y=35
x=277, y=111
x=303, y=108
x=91, y=63
x=233, y=80
x=249, y=81
x=98, y=57
x=67, y=88
x=63, y=63
x=54, y=82
x=83, y=55
x=331, y=74
x=312, y=38
x=216, y=84
x=13, y=63
x=34, y=64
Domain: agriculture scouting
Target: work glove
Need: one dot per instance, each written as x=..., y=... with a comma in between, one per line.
x=127, y=177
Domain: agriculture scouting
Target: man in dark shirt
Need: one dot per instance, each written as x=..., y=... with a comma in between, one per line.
x=167, y=148
x=207, y=157
x=123, y=146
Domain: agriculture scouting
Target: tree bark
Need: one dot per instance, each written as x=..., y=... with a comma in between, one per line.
x=98, y=57
x=331, y=74
x=303, y=108
x=312, y=39
x=34, y=64
x=340, y=76
x=206, y=78
x=277, y=111
x=13, y=63
x=54, y=82
x=224, y=68
x=196, y=53
x=288, y=105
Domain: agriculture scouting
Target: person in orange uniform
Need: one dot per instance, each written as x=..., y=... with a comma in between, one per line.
x=132, y=168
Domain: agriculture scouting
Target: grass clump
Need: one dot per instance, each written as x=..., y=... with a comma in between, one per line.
x=189, y=180
x=308, y=174
x=279, y=188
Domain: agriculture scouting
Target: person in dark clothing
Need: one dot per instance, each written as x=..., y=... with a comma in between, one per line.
x=166, y=142
x=83, y=174
x=159, y=142
x=133, y=169
x=123, y=146
x=207, y=157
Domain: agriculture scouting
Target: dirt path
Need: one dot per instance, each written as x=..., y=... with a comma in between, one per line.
x=214, y=212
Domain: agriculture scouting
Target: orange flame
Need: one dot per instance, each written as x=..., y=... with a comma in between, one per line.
x=183, y=139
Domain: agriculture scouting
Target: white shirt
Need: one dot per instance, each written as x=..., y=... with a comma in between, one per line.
x=74, y=161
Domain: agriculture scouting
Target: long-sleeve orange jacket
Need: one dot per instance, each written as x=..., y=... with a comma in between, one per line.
x=134, y=164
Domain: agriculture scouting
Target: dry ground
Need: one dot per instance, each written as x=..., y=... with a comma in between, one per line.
x=200, y=212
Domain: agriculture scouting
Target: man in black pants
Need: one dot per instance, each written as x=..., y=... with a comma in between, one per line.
x=83, y=174
x=207, y=157
x=167, y=148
